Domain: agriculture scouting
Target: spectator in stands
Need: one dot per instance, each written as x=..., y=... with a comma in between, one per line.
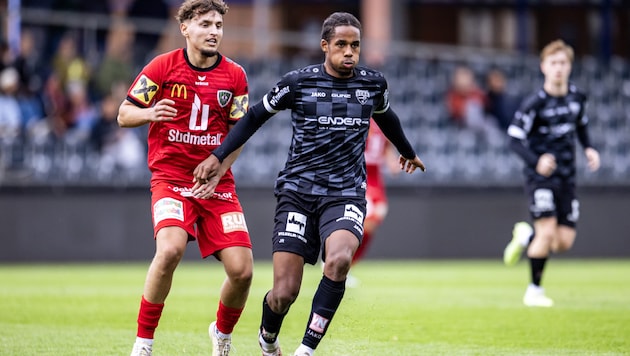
x=83, y=113
x=500, y=105
x=117, y=64
x=68, y=64
x=27, y=65
x=5, y=54
x=465, y=100
x=120, y=150
x=10, y=114
x=56, y=109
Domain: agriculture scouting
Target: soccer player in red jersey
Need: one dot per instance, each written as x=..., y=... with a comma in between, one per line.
x=190, y=98
x=379, y=152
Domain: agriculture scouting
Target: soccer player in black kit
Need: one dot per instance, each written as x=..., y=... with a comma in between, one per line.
x=543, y=133
x=321, y=190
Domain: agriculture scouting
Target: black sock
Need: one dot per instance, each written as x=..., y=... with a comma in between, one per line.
x=325, y=302
x=537, y=266
x=270, y=323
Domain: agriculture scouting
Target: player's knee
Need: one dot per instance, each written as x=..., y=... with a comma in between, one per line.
x=563, y=246
x=338, y=263
x=282, y=298
x=169, y=255
x=546, y=235
x=242, y=277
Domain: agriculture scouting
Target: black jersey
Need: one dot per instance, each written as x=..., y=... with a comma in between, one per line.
x=330, y=119
x=548, y=124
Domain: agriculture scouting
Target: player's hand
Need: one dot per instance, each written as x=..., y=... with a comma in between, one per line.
x=546, y=164
x=410, y=165
x=592, y=158
x=205, y=189
x=207, y=169
x=163, y=110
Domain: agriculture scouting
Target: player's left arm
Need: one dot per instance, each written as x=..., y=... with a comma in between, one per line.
x=592, y=156
x=389, y=123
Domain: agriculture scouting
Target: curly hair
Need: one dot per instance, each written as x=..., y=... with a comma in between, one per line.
x=192, y=8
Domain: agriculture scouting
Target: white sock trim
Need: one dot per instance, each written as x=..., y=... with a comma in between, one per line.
x=141, y=340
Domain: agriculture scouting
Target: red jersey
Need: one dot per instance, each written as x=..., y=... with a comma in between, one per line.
x=207, y=100
x=375, y=146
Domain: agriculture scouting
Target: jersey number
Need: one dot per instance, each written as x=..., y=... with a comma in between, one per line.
x=195, y=123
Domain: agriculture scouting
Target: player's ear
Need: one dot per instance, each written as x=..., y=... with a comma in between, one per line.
x=324, y=45
x=183, y=28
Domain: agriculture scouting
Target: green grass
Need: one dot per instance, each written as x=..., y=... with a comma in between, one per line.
x=400, y=308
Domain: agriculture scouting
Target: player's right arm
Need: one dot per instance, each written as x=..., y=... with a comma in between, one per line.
x=236, y=138
x=277, y=99
x=131, y=115
x=519, y=130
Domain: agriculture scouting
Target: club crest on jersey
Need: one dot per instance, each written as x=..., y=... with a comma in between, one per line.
x=224, y=96
x=362, y=96
x=144, y=90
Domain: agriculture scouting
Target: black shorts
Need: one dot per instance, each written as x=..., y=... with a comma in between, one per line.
x=303, y=222
x=554, y=199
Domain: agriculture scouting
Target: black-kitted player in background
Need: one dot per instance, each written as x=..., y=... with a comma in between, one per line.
x=543, y=133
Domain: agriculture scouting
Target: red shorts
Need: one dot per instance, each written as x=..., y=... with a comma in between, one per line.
x=375, y=195
x=215, y=223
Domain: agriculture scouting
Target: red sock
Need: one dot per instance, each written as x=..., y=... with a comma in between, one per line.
x=227, y=318
x=148, y=318
x=362, y=248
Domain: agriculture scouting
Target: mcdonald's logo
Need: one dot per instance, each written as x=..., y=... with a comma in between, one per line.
x=179, y=88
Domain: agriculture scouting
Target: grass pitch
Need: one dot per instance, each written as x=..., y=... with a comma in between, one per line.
x=400, y=308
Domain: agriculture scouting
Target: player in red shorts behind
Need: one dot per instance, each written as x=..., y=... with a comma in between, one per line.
x=379, y=152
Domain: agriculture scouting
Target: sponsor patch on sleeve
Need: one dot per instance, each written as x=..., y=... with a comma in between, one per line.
x=234, y=221
x=144, y=90
x=239, y=106
x=168, y=208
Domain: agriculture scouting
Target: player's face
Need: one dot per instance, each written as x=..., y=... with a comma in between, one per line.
x=204, y=33
x=342, y=51
x=556, y=67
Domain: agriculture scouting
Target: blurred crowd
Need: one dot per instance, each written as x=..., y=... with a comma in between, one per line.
x=58, y=107
x=67, y=102
x=59, y=96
